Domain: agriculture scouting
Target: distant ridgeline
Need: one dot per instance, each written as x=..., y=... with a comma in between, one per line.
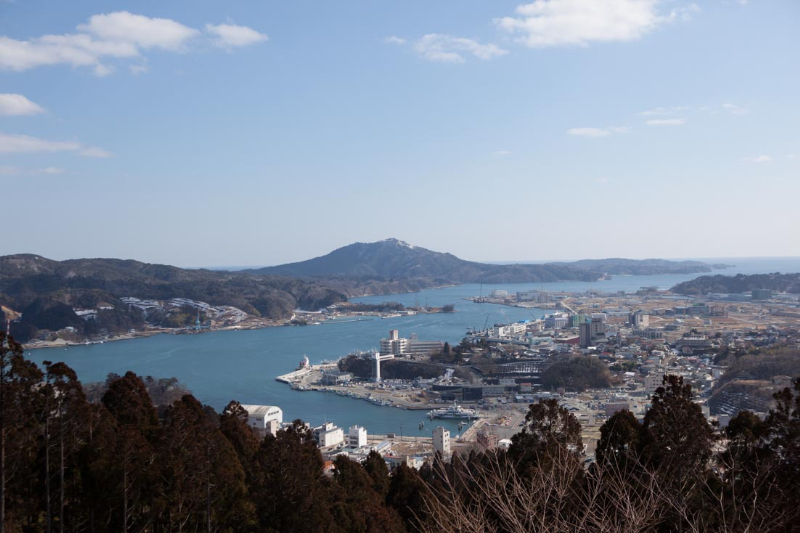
x=396, y=266
x=47, y=294
x=42, y=294
x=740, y=283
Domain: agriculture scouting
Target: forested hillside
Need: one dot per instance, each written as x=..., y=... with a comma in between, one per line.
x=45, y=292
x=392, y=260
x=740, y=283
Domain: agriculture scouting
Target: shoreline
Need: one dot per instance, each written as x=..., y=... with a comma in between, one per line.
x=255, y=324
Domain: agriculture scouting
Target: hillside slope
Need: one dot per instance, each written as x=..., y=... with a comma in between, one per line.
x=641, y=267
x=46, y=291
x=740, y=283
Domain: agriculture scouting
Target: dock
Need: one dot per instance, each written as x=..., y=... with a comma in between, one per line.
x=291, y=377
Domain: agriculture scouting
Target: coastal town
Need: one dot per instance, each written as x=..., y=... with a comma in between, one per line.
x=489, y=379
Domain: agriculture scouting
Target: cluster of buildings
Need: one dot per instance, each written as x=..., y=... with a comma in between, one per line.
x=218, y=316
x=355, y=443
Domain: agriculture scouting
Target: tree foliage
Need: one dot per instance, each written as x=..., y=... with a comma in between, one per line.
x=70, y=465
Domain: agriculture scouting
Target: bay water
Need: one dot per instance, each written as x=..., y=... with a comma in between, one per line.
x=221, y=366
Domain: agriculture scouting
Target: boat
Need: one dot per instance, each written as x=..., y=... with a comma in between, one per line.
x=391, y=315
x=453, y=411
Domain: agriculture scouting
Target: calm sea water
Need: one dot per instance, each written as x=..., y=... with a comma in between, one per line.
x=242, y=365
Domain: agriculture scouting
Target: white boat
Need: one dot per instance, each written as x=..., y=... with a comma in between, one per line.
x=453, y=411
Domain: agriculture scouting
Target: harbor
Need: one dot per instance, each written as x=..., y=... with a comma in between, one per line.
x=220, y=366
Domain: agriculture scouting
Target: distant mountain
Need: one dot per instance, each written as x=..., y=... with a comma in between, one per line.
x=392, y=260
x=397, y=262
x=46, y=291
x=740, y=283
x=641, y=267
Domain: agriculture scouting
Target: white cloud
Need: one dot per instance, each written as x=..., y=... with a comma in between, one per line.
x=597, y=132
x=101, y=71
x=664, y=110
x=138, y=69
x=733, y=108
x=144, y=32
x=589, y=132
x=666, y=122
x=544, y=23
x=75, y=50
x=393, y=39
x=16, y=171
x=21, y=144
x=791, y=156
x=602, y=181
x=501, y=153
x=758, y=159
x=449, y=49
x=233, y=36
x=10, y=143
x=115, y=36
x=16, y=105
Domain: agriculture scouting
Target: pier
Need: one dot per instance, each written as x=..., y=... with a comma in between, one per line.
x=291, y=377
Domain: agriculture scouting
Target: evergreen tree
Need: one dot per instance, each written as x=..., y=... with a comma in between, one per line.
x=378, y=473
x=407, y=493
x=288, y=487
x=19, y=407
x=549, y=429
x=356, y=506
x=675, y=433
x=619, y=439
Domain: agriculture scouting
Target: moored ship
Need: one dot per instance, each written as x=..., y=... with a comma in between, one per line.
x=453, y=411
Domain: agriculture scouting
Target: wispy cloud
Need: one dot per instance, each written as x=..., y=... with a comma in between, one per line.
x=733, y=108
x=393, y=39
x=449, y=49
x=544, y=23
x=598, y=132
x=22, y=144
x=17, y=171
x=116, y=36
x=758, y=159
x=16, y=105
x=660, y=111
x=140, y=31
x=232, y=36
x=666, y=122
x=501, y=153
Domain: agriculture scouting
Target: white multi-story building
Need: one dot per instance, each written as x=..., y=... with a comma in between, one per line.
x=652, y=381
x=441, y=441
x=260, y=416
x=556, y=321
x=394, y=345
x=328, y=435
x=509, y=330
x=639, y=320
x=357, y=437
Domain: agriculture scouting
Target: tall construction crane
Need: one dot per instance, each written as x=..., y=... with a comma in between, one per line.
x=502, y=312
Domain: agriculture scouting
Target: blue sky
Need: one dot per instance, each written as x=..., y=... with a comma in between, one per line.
x=248, y=133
